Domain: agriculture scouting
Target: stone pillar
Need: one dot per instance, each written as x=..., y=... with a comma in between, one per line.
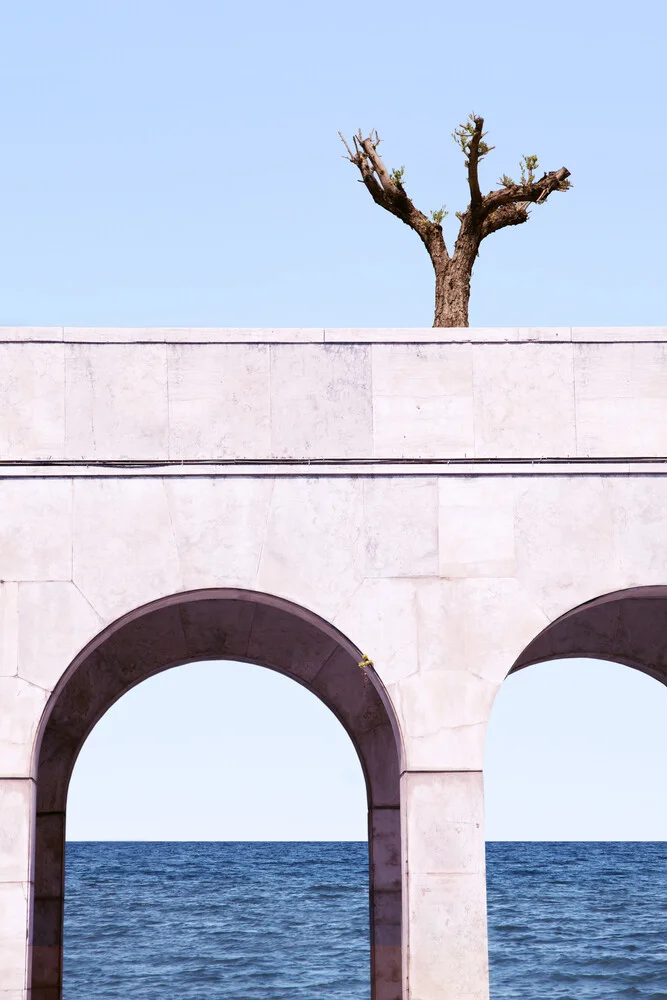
x=384, y=841
x=445, y=934
x=46, y=960
x=16, y=810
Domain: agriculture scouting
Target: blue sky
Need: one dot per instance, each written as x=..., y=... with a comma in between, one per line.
x=178, y=163
x=575, y=750
x=218, y=751
x=170, y=163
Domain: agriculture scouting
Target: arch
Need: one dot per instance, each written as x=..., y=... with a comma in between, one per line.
x=218, y=624
x=626, y=626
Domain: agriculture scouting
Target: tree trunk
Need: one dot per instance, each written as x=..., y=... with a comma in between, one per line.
x=452, y=293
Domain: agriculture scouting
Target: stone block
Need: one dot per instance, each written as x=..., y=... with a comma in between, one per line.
x=55, y=623
x=49, y=838
x=116, y=401
x=312, y=548
x=16, y=807
x=401, y=527
x=13, y=934
x=385, y=842
x=425, y=371
x=219, y=401
x=32, y=389
x=381, y=620
x=636, y=510
x=621, y=394
x=9, y=629
x=443, y=717
x=407, y=427
x=321, y=402
x=477, y=526
x=440, y=624
x=219, y=527
x=564, y=549
x=21, y=708
x=511, y=384
x=445, y=822
x=35, y=529
x=125, y=554
x=461, y=624
x=499, y=618
x=422, y=401
x=448, y=957
x=275, y=640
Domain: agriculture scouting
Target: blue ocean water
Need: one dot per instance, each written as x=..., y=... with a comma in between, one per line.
x=253, y=921
x=216, y=921
x=577, y=921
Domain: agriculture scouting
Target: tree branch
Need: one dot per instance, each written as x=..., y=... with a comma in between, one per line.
x=386, y=189
x=473, y=165
x=504, y=215
x=530, y=191
x=470, y=136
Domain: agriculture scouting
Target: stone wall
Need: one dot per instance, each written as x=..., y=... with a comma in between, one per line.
x=440, y=497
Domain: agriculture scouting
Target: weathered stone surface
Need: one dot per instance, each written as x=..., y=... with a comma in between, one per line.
x=22, y=706
x=219, y=401
x=219, y=527
x=35, y=529
x=293, y=562
x=422, y=400
x=60, y=611
x=444, y=816
x=447, y=957
x=124, y=553
x=320, y=401
x=621, y=399
x=14, y=898
x=9, y=629
x=116, y=409
x=477, y=530
x=453, y=504
x=16, y=802
x=32, y=389
x=511, y=383
x=411, y=548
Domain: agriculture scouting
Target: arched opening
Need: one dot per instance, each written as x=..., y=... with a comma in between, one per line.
x=574, y=900
x=219, y=624
x=627, y=626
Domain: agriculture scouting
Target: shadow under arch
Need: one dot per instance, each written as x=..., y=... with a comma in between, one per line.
x=218, y=624
x=626, y=626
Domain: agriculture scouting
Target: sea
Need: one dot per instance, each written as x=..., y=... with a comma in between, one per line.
x=272, y=921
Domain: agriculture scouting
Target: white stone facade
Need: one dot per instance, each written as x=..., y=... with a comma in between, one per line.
x=438, y=496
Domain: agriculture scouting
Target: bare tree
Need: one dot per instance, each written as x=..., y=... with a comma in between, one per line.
x=485, y=214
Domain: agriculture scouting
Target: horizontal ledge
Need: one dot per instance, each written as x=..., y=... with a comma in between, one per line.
x=330, y=335
x=443, y=770
x=328, y=467
x=148, y=463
